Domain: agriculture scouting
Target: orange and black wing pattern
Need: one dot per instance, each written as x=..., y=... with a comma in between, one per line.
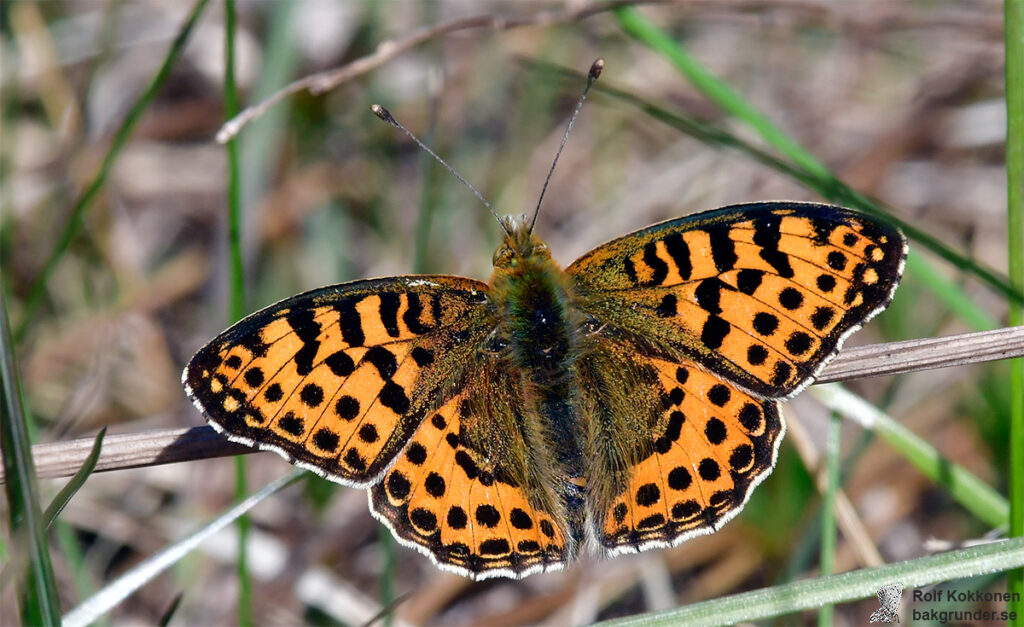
x=763, y=294
x=681, y=469
x=705, y=321
x=465, y=492
x=337, y=379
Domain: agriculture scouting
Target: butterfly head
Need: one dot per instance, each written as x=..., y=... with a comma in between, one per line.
x=521, y=248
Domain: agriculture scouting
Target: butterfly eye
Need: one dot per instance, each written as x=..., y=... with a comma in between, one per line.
x=504, y=257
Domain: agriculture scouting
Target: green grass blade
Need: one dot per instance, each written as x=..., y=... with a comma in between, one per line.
x=236, y=308
x=74, y=222
x=1015, y=223
x=972, y=493
x=717, y=90
x=118, y=590
x=827, y=184
x=77, y=481
x=859, y=584
x=949, y=293
x=39, y=602
x=828, y=517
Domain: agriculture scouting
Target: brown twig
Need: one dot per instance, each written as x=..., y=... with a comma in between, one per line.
x=151, y=448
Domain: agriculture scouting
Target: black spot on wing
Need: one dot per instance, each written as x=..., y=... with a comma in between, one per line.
x=349, y=322
x=748, y=280
x=708, y=294
x=714, y=331
x=304, y=357
x=383, y=360
x=388, y=309
x=393, y=397
x=766, y=235
x=255, y=344
x=340, y=364
x=630, y=270
x=723, y=249
x=659, y=269
x=411, y=317
x=667, y=307
x=304, y=324
x=676, y=247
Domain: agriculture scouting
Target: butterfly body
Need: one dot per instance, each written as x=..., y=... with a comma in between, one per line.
x=627, y=401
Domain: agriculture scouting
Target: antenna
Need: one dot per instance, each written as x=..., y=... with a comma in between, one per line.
x=385, y=115
x=595, y=71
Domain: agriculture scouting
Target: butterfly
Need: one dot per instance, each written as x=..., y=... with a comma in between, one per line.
x=627, y=401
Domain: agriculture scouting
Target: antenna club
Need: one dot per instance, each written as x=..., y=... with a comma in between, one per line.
x=383, y=114
x=596, y=69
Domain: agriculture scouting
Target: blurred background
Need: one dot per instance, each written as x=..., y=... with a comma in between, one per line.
x=903, y=100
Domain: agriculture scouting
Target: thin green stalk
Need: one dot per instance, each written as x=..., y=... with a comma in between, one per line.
x=828, y=518
x=1015, y=220
x=949, y=293
x=717, y=90
x=236, y=309
x=74, y=222
x=75, y=484
x=831, y=187
x=39, y=602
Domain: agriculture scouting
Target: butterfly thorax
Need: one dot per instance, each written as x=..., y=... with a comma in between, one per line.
x=530, y=294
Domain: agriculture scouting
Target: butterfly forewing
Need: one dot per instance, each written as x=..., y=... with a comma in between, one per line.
x=762, y=293
x=337, y=378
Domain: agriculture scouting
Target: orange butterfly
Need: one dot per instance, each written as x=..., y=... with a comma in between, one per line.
x=631, y=397
x=630, y=400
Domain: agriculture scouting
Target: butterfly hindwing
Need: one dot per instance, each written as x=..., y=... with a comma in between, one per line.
x=337, y=378
x=707, y=444
x=762, y=293
x=467, y=491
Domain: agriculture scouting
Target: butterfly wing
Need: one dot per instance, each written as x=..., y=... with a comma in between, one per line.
x=336, y=379
x=697, y=324
x=763, y=294
x=675, y=449
x=473, y=488
x=352, y=380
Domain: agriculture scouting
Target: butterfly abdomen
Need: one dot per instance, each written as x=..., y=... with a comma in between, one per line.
x=543, y=343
